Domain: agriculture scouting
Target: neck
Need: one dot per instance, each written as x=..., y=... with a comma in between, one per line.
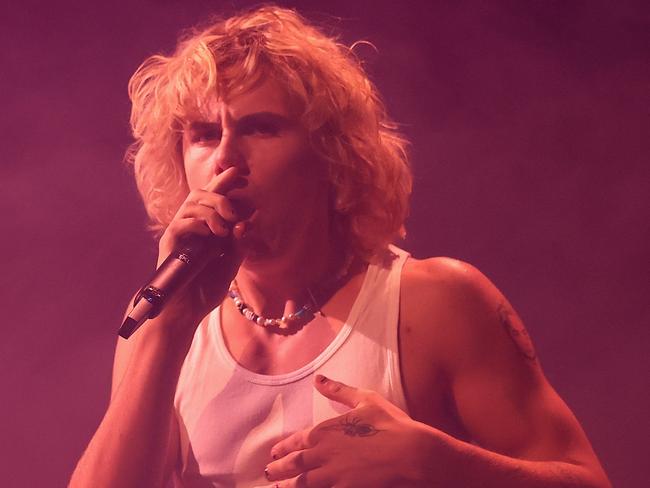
x=271, y=286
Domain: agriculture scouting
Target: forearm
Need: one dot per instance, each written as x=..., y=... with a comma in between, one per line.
x=131, y=443
x=457, y=462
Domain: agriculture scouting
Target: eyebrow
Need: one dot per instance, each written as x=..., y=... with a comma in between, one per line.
x=200, y=125
x=266, y=117
x=282, y=121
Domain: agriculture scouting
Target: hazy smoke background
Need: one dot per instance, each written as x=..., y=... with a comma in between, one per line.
x=529, y=122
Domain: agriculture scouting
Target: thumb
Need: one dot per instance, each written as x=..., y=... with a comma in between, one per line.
x=337, y=391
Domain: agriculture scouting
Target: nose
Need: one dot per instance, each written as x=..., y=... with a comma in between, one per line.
x=229, y=154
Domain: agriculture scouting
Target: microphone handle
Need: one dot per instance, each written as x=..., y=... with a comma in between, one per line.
x=174, y=273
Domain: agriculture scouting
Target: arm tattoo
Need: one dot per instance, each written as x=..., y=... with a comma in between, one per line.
x=516, y=330
x=353, y=427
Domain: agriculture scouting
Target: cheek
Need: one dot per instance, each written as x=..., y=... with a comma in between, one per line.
x=302, y=189
x=197, y=173
x=297, y=182
x=295, y=165
x=193, y=179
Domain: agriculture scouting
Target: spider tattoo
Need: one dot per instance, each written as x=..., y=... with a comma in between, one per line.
x=353, y=427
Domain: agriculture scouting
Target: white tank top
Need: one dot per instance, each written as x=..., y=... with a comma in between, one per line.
x=229, y=417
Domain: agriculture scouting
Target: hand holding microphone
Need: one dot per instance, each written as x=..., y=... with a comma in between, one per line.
x=197, y=255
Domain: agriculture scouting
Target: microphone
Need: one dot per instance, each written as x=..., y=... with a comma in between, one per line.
x=183, y=264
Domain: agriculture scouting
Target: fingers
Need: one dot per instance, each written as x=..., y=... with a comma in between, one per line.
x=210, y=206
x=239, y=230
x=292, y=465
x=295, y=442
x=214, y=220
x=225, y=181
x=316, y=478
x=303, y=439
x=186, y=227
x=340, y=392
x=214, y=202
x=211, y=225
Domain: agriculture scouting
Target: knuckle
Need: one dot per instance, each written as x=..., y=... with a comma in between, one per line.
x=215, y=224
x=301, y=481
x=187, y=204
x=170, y=229
x=371, y=410
x=186, y=210
x=215, y=219
x=195, y=194
x=335, y=386
x=299, y=460
x=175, y=229
x=313, y=435
x=372, y=396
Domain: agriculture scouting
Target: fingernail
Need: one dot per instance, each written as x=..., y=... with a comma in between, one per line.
x=240, y=230
x=266, y=473
x=275, y=457
x=321, y=379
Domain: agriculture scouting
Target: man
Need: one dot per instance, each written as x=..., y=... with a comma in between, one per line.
x=309, y=351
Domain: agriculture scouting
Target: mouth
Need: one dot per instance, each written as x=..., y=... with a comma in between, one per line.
x=242, y=206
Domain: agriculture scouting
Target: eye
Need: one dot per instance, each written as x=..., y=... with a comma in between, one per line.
x=200, y=133
x=205, y=136
x=260, y=127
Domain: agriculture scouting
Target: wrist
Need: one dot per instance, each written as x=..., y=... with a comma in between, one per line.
x=173, y=329
x=431, y=463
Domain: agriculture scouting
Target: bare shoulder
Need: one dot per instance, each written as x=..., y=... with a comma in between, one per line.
x=455, y=309
x=461, y=339
x=443, y=288
x=453, y=277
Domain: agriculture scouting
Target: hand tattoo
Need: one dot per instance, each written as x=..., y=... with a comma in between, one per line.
x=353, y=427
x=516, y=330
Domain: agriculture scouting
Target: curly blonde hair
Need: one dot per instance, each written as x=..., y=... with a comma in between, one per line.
x=346, y=119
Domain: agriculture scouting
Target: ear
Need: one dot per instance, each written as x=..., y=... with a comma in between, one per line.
x=339, y=392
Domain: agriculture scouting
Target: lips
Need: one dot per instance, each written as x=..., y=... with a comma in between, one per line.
x=243, y=207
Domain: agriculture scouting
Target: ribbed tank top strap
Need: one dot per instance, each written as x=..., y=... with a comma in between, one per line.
x=380, y=295
x=370, y=356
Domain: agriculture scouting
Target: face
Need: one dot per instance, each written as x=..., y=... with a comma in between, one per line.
x=259, y=133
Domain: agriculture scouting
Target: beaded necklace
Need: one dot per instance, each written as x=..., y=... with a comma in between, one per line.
x=317, y=297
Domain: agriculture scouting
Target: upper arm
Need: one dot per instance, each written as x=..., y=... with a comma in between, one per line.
x=497, y=387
